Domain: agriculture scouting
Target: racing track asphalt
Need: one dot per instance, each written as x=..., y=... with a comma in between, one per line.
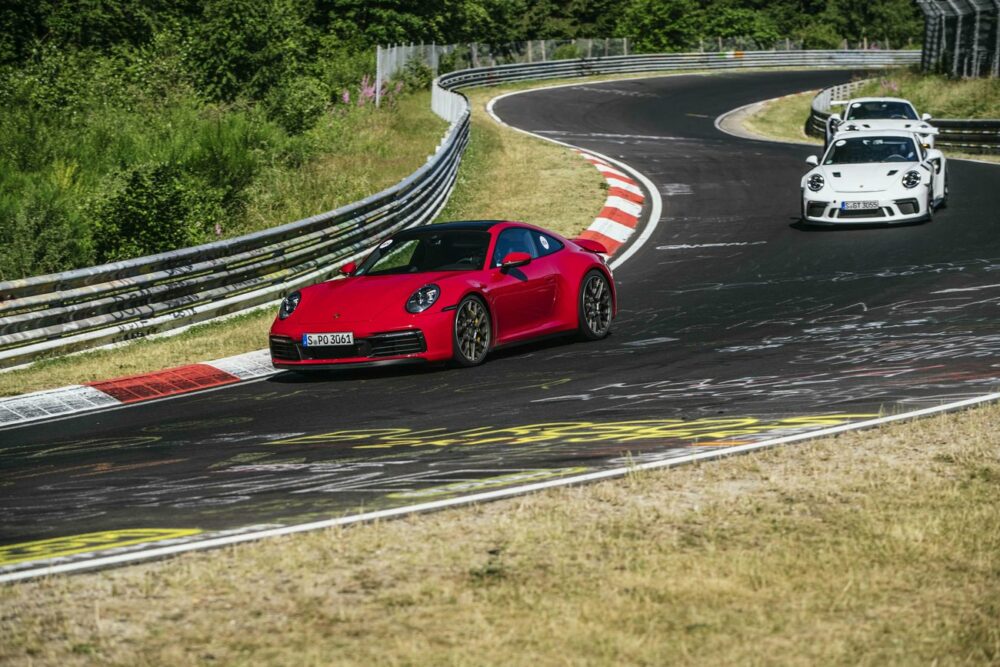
x=736, y=324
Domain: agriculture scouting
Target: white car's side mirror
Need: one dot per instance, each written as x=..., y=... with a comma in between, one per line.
x=835, y=116
x=812, y=160
x=926, y=116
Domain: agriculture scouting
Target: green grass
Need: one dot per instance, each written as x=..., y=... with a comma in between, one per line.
x=938, y=95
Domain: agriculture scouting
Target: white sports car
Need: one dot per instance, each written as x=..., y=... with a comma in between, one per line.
x=880, y=113
x=870, y=177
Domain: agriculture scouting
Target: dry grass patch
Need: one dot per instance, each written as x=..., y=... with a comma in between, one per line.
x=783, y=118
x=507, y=175
x=866, y=549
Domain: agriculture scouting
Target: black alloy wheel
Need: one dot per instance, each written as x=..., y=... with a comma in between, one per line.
x=595, y=306
x=472, y=332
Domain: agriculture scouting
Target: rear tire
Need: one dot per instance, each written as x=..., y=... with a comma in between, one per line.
x=472, y=332
x=594, y=306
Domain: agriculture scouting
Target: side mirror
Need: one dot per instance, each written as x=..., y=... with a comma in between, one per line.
x=349, y=268
x=836, y=117
x=515, y=259
x=812, y=160
x=926, y=116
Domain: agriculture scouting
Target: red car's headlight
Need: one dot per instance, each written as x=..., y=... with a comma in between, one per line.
x=289, y=304
x=423, y=298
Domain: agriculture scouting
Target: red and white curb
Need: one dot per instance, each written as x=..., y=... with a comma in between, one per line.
x=75, y=399
x=619, y=218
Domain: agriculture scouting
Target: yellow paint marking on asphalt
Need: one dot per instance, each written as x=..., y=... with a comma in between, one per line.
x=72, y=545
x=588, y=432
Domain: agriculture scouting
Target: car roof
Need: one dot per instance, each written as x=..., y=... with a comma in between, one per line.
x=846, y=134
x=478, y=225
x=879, y=99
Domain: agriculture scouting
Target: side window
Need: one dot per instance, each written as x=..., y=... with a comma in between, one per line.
x=515, y=239
x=546, y=244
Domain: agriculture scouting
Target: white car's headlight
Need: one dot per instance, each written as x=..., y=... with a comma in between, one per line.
x=423, y=299
x=289, y=304
x=816, y=182
x=911, y=179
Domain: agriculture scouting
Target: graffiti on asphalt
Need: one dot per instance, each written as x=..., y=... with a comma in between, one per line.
x=476, y=485
x=624, y=432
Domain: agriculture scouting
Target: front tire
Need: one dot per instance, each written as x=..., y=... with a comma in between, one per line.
x=472, y=332
x=595, y=306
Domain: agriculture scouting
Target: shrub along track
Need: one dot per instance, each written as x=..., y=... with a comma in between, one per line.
x=737, y=326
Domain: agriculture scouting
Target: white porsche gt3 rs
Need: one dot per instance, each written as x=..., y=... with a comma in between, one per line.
x=880, y=113
x=874, y=177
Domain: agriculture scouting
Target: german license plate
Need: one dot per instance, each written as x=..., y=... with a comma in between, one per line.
x=858, y=205
x=327, y=339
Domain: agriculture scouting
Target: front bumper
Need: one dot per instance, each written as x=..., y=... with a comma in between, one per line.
x=431, y=341
x=889, y=211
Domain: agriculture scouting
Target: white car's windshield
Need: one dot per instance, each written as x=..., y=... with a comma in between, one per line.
x=877, y=110
x=859, y=150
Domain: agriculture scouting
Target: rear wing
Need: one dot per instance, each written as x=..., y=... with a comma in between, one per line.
x=591, y=246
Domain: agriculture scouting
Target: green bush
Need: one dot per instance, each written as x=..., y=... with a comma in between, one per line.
x=246, y=47
x=298, y=103
x=42, y=231
x=417, y=75
x=566, y=52
x=154, y=208
x=819, y=36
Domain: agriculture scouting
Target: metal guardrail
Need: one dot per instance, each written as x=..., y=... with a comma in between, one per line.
x=969, y=136
x=113, y=303
x=487, y=76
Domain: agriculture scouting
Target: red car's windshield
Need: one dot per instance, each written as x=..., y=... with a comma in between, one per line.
x=428, y=250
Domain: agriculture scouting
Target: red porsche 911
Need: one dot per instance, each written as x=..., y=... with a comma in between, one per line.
x=448, y=291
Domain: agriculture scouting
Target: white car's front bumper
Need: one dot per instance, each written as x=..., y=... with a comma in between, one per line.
x=817, y=210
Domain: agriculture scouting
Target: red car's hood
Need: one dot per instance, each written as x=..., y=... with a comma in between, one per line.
x=365, y=297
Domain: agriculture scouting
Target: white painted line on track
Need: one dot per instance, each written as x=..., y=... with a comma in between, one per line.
x=698, y=246
x=611, y=473
x=965, y=289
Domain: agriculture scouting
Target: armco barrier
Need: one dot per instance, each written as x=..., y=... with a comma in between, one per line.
x=969, y=136
x=112, y=303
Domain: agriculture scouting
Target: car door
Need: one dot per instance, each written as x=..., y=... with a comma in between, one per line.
x=522, y=298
